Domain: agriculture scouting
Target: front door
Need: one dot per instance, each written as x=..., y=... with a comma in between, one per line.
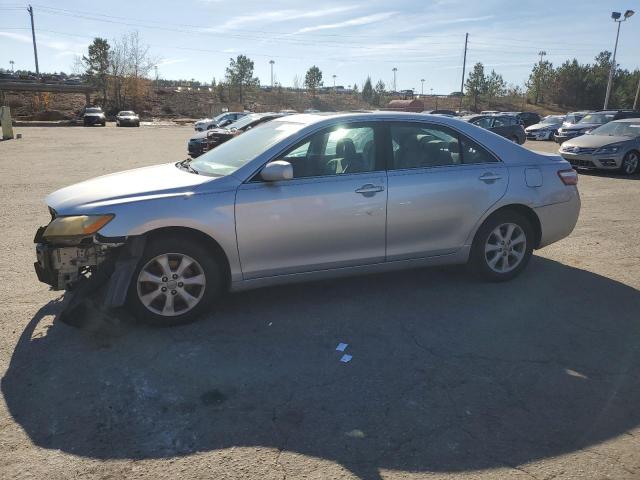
x=332, y=213
x=440, y=184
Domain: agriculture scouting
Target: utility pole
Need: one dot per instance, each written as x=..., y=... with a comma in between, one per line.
x=464, y=67
x=155, y=67
x=271, y=62
x=422, y=88
x=334, y=81
x=394, y=78
x=33, y=35
x=635, y=102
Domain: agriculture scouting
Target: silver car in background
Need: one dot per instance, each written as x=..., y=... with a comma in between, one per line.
x=546, y=129
x=613, y=146
x=307, y=197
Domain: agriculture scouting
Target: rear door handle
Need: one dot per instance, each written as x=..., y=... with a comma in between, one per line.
x=369, y=188
x=490, y=177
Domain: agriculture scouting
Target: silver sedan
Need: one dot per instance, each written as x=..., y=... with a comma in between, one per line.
x=307, y=197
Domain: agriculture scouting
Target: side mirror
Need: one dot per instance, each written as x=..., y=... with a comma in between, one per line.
x=275, y=171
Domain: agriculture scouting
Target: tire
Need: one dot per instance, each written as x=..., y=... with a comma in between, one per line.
x=630, y=163
x=153, y=290
x=487, y=248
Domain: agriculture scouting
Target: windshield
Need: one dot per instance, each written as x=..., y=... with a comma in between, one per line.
x=93, y=110
x=619, y=129
x=553, y=119
x=126, y=114
x=237, y=152
x=597, y=118
x=220, y=117
x=244, y=121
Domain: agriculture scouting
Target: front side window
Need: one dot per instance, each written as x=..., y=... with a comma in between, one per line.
x=336, y=151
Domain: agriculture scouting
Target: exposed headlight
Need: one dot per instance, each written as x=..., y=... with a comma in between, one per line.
x=608, y=149
x=76, y=226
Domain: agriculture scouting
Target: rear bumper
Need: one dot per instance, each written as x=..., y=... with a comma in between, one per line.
x=558, y=220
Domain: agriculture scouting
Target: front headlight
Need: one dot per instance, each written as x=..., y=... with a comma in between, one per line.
x=76, y=226
x=608, y=149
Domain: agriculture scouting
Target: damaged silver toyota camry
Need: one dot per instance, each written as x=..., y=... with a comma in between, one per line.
x=306, y=197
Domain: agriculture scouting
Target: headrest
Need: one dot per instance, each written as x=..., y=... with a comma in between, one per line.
x=345, y=148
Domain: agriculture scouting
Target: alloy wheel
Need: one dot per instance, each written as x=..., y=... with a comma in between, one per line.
x=630, y=163
x=505, y=247
x=171, y=284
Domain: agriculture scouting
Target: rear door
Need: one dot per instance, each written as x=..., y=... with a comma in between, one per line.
x=440, y=184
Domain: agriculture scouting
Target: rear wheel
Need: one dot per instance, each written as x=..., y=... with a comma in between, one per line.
x=630, y=163
x=502, y=247
x=176, y=280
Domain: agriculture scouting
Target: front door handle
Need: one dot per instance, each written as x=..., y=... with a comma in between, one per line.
x=490, y=177
x=369, y=188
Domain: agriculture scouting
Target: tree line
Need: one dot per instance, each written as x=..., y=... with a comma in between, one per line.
x=572, y=85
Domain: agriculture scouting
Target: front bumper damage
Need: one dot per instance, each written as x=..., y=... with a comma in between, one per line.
x=86, y=264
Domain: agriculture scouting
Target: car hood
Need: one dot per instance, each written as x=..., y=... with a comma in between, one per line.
x=595, y=141
x=538, y=126
x=582, y=126
x=148, y=183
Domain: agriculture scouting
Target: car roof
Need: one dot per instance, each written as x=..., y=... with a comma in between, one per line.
x=627, y=120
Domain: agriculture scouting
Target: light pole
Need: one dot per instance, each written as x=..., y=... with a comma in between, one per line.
x=616, y=18
x=155, y=67
x=334, y=81
x=271, y=62
x=394, y=69
x=12, y=63
x=422, y=89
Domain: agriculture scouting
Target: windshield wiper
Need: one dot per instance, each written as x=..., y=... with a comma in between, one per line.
x=185, y=165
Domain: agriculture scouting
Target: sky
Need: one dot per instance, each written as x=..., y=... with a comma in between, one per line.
x=348, y=38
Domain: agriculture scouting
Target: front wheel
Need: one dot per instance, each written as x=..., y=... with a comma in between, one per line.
x=502, y=247
x=175, y=281
x=630, y=163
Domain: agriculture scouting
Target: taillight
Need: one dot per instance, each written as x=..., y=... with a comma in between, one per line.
x=568, y=177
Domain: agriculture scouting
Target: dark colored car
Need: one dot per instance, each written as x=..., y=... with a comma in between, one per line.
x=450, y=113
x=593, y=120
x=525, y=118
x=93, y=116
x=204, y=141
x=506, y=126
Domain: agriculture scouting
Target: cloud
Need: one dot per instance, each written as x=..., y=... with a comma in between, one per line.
x=279, y=16
x=377, y=17
x=170, y=61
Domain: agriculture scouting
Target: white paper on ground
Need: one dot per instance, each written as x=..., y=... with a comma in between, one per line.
x=342, y=347
x=346, y=358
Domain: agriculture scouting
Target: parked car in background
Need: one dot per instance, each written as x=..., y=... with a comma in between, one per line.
x=591, y=121
x=127, y=118
x=306, y=197
x=449, y=113
x=204, y=141
x=489, y=112
x=613, y=146
x=528, y=118
x=504, y=125
x=93, y=116
x=573, y=117
x=546, y=129
x=221, y=120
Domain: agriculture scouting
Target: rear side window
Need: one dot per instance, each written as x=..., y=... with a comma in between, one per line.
x=483, y=122
x=425, y=145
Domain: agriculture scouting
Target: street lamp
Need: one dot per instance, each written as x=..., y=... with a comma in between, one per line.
x=422, y=89
x=394, y=69
x=12, y=63
x=616, y=18
x=334, y=81
x=271, y=62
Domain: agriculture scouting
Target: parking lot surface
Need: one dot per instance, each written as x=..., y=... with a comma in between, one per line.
x=450, y=377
